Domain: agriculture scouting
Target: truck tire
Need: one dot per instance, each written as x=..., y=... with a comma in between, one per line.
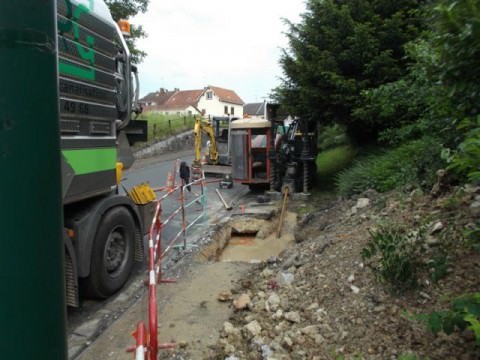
x=112, y=254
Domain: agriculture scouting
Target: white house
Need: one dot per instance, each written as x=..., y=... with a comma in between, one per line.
x=216, y=101
x=210, y=101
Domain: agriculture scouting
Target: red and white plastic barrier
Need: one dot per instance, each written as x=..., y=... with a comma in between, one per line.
x=147, y=345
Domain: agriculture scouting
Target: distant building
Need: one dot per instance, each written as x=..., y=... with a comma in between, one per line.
x=210, y=101
x=154, y=99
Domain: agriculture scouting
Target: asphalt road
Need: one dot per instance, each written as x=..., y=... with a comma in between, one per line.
x=156, y=173
x=94, y=316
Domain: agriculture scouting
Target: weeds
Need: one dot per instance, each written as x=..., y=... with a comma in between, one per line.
x=464, y=313
x=412, y=163
x=472, y=236
x=438, y=267
x=397, y=263
x=410, y=356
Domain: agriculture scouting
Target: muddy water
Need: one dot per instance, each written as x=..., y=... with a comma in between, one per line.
x=255, y=249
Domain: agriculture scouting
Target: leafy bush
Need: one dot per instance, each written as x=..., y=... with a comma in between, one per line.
x=466, y=160
x=331, y=136
x=464, y=313
x=397, y=263
x=412, y=163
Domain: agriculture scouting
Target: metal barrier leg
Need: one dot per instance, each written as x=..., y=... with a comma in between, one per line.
x=204, y=199
x=147, y=339
x=184, y=224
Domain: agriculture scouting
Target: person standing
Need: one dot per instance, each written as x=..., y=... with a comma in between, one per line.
x=185, y=175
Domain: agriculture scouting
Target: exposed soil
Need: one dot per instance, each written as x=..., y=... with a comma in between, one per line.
x=318, y=299
x=333, y=308
x=192, y=311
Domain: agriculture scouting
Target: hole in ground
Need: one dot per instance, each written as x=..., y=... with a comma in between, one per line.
x=250, y=239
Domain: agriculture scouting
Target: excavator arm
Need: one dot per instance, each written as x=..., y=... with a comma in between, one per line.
x=201, y=126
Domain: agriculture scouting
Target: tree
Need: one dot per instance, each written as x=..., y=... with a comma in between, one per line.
x=457, y=38
x=339, y=49
x=439, y=96
x=125, y=9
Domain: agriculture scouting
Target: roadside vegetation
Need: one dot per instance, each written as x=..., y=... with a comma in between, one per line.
x=162, y=126
x=395, y=91
x=127, y=9
x=394, y=77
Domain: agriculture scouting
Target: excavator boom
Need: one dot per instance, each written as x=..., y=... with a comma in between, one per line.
x=202, y=126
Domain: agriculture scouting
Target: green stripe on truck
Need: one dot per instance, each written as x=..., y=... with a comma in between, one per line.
x=86, y=161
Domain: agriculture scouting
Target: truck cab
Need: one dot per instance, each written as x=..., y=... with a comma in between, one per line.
x=98, y=88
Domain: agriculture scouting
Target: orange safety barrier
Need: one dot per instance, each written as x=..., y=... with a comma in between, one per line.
x=158, y=247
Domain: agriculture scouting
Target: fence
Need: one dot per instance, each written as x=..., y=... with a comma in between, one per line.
x=161, y=126
x=172, y=204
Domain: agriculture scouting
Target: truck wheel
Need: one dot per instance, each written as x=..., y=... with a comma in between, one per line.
x=112, y=254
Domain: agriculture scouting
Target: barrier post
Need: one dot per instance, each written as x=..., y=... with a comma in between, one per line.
x=151, y=344
x=182, y=204
x=176, y=166
x=204, y=197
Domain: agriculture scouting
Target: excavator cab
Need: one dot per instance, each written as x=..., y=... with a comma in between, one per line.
x=251, y=161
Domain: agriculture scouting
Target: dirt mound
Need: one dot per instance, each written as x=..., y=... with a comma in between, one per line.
x=320, y=299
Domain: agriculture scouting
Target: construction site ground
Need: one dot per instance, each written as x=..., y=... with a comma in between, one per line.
x=314, y=296
x=190, y=312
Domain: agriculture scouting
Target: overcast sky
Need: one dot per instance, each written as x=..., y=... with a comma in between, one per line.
x=234, y=44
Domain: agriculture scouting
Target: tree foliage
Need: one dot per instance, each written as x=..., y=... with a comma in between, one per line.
x=339, y=49
x=457, y=37
x=440, y=94
x=125, y=9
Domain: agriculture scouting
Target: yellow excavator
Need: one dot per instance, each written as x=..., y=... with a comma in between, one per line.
x=207, y=128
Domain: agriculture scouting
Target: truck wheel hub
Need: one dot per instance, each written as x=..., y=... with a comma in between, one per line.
x=114, y=251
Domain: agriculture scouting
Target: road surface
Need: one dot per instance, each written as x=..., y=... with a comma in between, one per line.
x=86, y=323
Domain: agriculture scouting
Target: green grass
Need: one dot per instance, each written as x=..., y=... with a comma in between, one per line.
x=161, y=126
x=331, y=161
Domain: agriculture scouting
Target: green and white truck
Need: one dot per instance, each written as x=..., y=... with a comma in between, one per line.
x=98, y=86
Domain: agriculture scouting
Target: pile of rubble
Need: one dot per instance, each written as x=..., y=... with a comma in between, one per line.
x=320, y=300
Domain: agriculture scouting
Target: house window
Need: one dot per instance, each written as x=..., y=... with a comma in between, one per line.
x=209, y=95
x=203, y=112
x=225, y=110
x=232, y=111
x=189, y=112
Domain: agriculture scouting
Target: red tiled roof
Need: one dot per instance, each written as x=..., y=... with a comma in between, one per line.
x=177, y=100
x=182, y=99
x=158, y=97
x=227, y=95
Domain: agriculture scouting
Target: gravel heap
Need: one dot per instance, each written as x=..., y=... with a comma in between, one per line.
x=321, y=300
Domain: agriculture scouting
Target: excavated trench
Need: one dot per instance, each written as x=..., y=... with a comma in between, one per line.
x=251, y=238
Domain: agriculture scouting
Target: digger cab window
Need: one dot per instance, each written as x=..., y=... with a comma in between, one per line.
x=259, y=141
